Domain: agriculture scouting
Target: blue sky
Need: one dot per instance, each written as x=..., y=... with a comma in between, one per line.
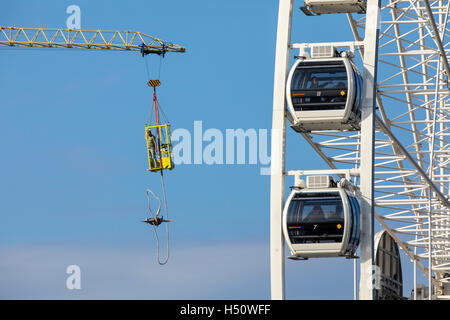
x=73, y=162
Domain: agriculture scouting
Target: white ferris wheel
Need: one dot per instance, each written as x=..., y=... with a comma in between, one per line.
x=383, y=127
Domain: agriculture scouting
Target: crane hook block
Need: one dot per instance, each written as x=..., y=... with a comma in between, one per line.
x=154, y=83
x=159, y=147
x=145, y=50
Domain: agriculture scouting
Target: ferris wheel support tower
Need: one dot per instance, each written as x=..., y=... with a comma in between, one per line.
x=366, y=169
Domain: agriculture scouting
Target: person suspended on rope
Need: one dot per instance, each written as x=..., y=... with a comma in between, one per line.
x=152, y=147
x=156, y=219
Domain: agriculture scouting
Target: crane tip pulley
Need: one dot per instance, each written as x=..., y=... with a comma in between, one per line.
x=145, y=50
x=162, y=50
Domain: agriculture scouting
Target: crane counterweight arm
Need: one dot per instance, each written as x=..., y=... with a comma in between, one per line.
x=85, y=39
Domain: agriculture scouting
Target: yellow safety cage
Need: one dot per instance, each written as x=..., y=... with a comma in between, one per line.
x=159, y=147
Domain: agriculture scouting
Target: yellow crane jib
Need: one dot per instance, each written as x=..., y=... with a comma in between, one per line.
x=159, y=147
x=85, y=39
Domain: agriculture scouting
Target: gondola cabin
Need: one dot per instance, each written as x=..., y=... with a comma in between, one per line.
x=321, y=220
x=324, y=94
x=159, y=147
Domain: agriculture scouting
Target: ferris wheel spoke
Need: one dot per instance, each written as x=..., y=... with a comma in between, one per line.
x=412, y=139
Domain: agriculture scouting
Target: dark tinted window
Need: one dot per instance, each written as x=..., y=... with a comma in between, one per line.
x=319, y=87
x=324, y=78
x=315, y=220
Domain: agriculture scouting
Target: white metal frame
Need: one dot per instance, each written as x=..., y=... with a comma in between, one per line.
x=277, y=256
x=412, y=153
x=402, y=151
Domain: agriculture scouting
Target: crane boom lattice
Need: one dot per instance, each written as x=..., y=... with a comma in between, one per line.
x=85, y=39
